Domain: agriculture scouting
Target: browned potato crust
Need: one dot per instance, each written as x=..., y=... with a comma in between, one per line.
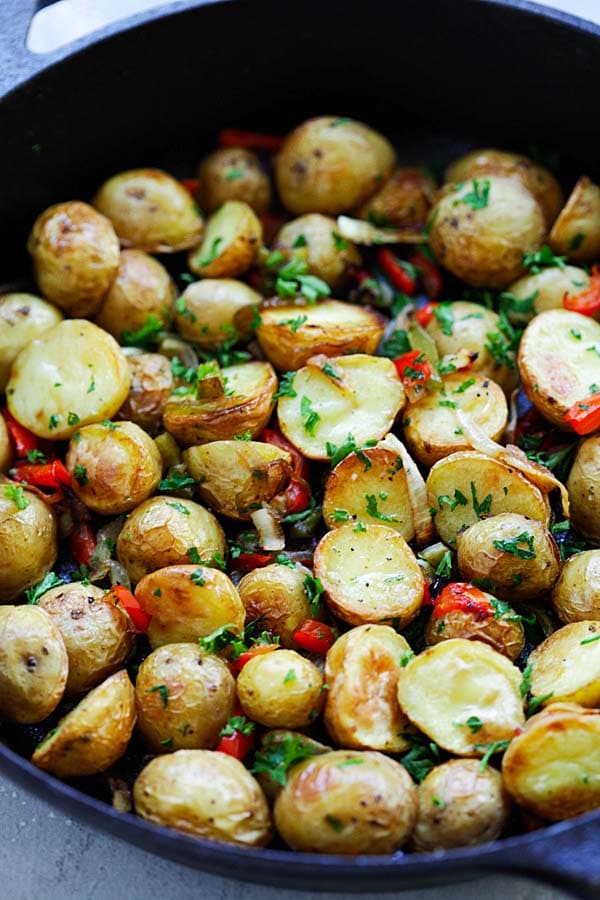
x=142, y=290
x=584, y=489
x=281, y=689
x=28, y=547
x=404, y=200
x=23, y=317
x=277, y=596
x=328, y=254
x=151, y=386
x=232, y=173
x=231, y=241
x=576, y=232
x=576, y=594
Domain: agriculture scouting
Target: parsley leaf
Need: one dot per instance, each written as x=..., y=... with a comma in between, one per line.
x=314, y=590
x=422, y=756
x=512, y=546
x=49, y=581
x=311, y=418
x=146, y=336
x=541, y=259
x=237, y=724
x=286, y=386
x=163, y=692
x=443, y=313
x=279, y=753
x=478, y=196
x=396, y=344
x=15, y=493
x=483, y=508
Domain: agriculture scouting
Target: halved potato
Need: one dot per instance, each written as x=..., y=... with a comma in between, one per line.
x=566, y=666
x=237, y=477
x=576, y=232
x=231, y=241
x=188, y=602
x=432, y=430
x=463, y=695
x=558, y=361
x=276, y=595
x=6, y=450
x=576, y=594
x=362, y=398
x=72, y=375
x=545, y=290
x=362, y=671
x=151, y=386
x=291, y=335
x=92, y=736
x=584, y=489
x=143, y=289
x=369, y=576
x=404, y=201
x=280, y=690
x=233, y=173
x=467, y=485
x=23, y=317
x=553, y=767
x=245, y=406
x=206, y=309
x=482, y=618
x=28, y=545
x=328, y=254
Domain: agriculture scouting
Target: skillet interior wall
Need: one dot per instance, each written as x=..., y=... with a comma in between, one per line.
x=424, y=73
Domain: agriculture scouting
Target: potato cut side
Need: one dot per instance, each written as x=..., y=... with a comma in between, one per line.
x=566, y=666
x=576, y=232
x=468, y=485
x=369, y=576
x=546, y=289
x=290, y=335
x=231, y=240
x=358, y=395
x=559, y=361
x=432, y=430
x=463, y=695
x=553, y=767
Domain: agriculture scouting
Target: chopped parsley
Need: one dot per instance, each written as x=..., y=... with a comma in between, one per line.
x=239, y=724
x=145, y=336
x=444, y=567
x=330, y=372
x=512, y=546
x=340, y=515
x=422, y=756
x=373, y=509
x=339, y=242
x=406, y=658
x=294, y=324
x=463, y=387
x=473, y=723
x=459, y=500
x=198, y=577
x=49, y=581
x=490, y=750
x=36, y=456
x=504, y=343
x=290, y=675
x=194, y=555
x=276, y=757
x=478, y=196
x=180, y=508
x=286, y=386
x=541, y=259
x=483, y=508
x=219, y=639
x=396, y=344
x=311, y=418
x=53, y=422
x=292, y=279
x=314, y=591
x=590, y=640
x=443, y=313
x=81, y=475
x=15, y=493
x=176, y=481
x=72, y=419
x=163, y=691
x=234, y=174
x=212, y=254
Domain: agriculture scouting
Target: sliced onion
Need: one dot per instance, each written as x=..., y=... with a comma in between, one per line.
x=510, y=430
x=105, y=541
x=477, y=437
x=433, y=554
x=417, y=491
x=270, y=532
x=361, y=232
x=118, y=574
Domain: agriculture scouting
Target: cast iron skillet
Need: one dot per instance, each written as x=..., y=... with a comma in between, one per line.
x=154, y=90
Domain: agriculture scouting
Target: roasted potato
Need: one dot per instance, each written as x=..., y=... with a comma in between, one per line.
x=188, y=602
x=23, y=317
x=142, y=292
x=347, y=802
x=576, y=594
x=481, y=230
x=6, y=452
x=362, y=671
x=164, y=531
x=98, y=635
x=576, y=232
x=183, y=698
x=432, y=430
x=113, y=468
x=281, y=749
x=584, y=489
x=33, y=664
x=558, y=363
x=362, y=399
x=72, y=375
x=404, y=200
x=246, y=405
x=517, y=555
x=276, y=595
x=369, y=576
x=236, y=477
x=463, y=695
x=232, y=173
x=75, y=255
x=553, y=767
x=290, y=335
x=206, y=794
x=566, y=666
x=467, y=485
x=206, y=309
x=231, y=241
x=151, y=387
x=460, y=805
x=28, y=547
x=328, y=254
x=94, y=735
x=150, y=211
x=329, y=165
x=281, y=689
x=544, y=290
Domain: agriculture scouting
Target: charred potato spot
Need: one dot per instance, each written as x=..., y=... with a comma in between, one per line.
x=151, y=387
x=28, y=542
x=328, y=255
x=280, y=690
x=576, y=232
x=206, y=311
x=233, y=173
x=233, y=236
x=276, y=596
x=576, y=594
x=584, y=489
x=23, y=317
x=142, y=291
x=566, y=666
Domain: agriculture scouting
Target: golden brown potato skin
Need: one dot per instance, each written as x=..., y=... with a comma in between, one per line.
x=209, y=307
x=33, y=664
x=151, y=386
x=584, y=489
x=347, y=802
x=276, y=595
x=206, y=794
x=75, y=254
x=200, y=695
x=576, y=232
x=460, y=806
x=6, y=452
x=23, y=317
x=123, y=467
x=28, y=546
x=98, y=635
x=328, y=165
x=404, y=200
x=546, y=289
x=142, y=288
x=576, y=594
x=281, y=689
x=327, y=254
x=233, y=236
x=491, y=628
x=94, y=735
x=233, y=173
x=150, y=210
x=160, y=533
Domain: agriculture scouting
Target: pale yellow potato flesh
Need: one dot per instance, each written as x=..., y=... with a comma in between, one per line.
x=576, y=232
x=231, y=241
x=566, y=666
x=576, y=594
x=23, y=317
x=546, y=289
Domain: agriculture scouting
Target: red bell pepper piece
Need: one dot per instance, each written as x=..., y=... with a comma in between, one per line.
x=121, y=596
x=52, y=474
x=396, y=272
x=430, y=274
x=237, y=737
x=427, y=601
x=246, y=562
x=191, y=185
x=584, y=416
x=586, y=302
x=425, y=314
x=83, y=544
x=314, y=637
x=462, y=596
x=236, y=665
x=299, y=463
x=413, y=367
x=297, y=495
x=232, y=137
x=22, y=439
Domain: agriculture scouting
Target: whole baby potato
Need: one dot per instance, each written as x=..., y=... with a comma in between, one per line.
x=33, y=664
x=576, y=594
x=281, y=689
x=150, y=210
x=98, y=635
x=28, y=546
x=576, y=232
x=113, y=467
x=233, y=173
x=483, y=618
x=23, y=317
x=151, y=386
x=75, y=254
x=328, y=255
x=163, y=531
x=208, y=309
x=276, y=595
x=347, y=802
x=142, y=291
x=482, y=229
x=546, y=290
x=206, y=794
x=328, y=165
x=403, y=201
x=460, y=805
x=584, y=489
x=183, y=697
